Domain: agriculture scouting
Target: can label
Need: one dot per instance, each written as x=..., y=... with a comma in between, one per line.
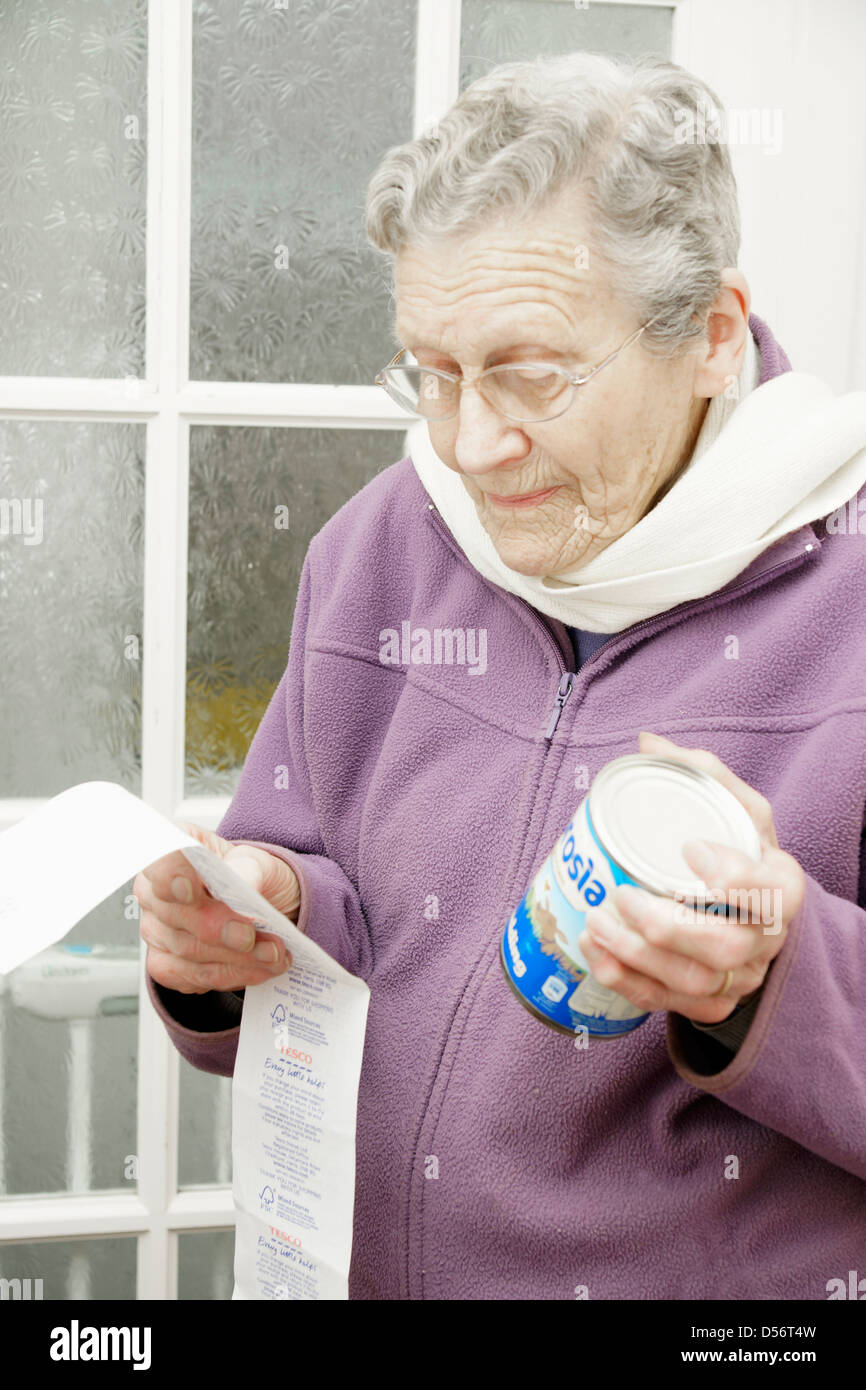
x=539, y=949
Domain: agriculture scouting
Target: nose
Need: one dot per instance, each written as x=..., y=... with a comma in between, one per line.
x=485, y=439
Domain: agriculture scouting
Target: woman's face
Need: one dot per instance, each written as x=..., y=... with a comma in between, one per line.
x=533, y=291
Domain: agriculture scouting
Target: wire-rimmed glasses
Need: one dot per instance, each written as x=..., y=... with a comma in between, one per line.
x=524, y=392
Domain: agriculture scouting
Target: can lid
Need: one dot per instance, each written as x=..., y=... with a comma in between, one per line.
x=644, y=807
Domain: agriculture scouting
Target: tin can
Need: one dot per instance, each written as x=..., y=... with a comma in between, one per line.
x=628, y=829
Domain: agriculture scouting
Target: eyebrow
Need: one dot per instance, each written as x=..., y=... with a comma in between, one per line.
x=542, y=349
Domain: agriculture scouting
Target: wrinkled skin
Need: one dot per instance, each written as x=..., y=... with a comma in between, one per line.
x=524, y=290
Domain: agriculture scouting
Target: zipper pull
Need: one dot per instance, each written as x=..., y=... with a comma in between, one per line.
x=565, y=686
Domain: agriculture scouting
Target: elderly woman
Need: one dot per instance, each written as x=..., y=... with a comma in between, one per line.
x=638, y=528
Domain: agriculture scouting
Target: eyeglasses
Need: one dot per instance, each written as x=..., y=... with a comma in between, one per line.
x=525, y=392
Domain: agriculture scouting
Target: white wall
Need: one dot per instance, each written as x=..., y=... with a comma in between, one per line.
x=804, y=209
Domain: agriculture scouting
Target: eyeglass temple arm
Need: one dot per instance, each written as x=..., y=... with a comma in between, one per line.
x=377, y=379
x=579, y=380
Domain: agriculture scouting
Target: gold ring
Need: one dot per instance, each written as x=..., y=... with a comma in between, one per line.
x=724, y=986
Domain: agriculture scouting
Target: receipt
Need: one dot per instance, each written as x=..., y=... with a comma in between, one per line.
x=295, y=1085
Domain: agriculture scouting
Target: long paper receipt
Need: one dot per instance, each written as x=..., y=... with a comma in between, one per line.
x=295, y=1086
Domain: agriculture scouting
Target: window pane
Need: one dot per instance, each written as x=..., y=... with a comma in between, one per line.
x=517, y=29
x=71, y=1269
x=205, y=1135
x=68, y=1049
x=257, y=496
x=73, y=187
x=71, y=565
x=293, y=106
x=206, y=1268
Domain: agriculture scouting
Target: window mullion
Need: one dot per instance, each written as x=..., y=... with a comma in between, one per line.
x=165, y=547
x=437, y=60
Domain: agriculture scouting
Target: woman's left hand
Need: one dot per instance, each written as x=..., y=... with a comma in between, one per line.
x=697, y=964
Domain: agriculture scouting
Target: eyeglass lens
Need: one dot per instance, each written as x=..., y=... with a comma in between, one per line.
x=523, y=392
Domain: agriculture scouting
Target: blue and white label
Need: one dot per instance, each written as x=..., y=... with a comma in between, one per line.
x=539, y=948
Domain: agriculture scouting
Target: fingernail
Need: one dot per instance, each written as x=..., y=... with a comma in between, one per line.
x=181, y=889
x=701, y=857
x=238, y=936
x=266, y=951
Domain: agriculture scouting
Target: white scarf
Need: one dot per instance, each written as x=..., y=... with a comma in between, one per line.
x=765, y=462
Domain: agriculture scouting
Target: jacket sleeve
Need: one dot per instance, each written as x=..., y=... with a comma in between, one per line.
x=733, y=1029
x=274, y=809
x=801, y=1069
x=704, y=1052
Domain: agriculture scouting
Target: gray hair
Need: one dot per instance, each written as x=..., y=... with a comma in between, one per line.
x=663, y=209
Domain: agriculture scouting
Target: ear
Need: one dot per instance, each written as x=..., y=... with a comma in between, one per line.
x=720, y=360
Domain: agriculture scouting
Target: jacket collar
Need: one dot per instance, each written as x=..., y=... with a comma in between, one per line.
x=785, y=554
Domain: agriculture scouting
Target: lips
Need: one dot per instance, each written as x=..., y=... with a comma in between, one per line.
x=522, y=498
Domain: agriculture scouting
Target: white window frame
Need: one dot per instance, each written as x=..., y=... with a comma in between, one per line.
x=169, y=404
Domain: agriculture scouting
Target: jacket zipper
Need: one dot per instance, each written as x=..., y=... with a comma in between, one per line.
x=568, y=679
x=566, y=686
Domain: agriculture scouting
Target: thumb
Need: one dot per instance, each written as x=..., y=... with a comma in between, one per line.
x=269, y=875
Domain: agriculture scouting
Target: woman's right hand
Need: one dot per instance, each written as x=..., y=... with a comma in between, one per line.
x=195, y=943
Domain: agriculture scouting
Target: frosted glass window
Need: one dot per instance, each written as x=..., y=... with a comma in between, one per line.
x=257, y=496
x=206, y=1265
x=510, y=30
x=205, y=1135
x=68, y=1068
x=71, y=569
x=293, y=106
x=70, y=1269
x=73, y=185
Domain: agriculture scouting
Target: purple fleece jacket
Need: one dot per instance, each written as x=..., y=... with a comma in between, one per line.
x=416, y=801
